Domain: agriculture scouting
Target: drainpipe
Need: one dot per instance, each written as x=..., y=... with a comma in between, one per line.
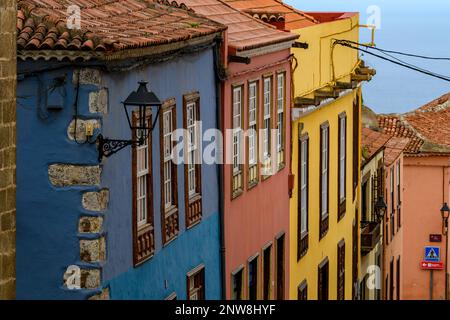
x=218, y=83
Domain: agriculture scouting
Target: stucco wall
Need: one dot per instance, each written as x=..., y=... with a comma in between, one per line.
x=261, y=213
x=426, y=187
x=54, y=195
x=7, y=147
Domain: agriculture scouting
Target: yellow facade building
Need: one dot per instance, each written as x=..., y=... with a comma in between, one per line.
x=324, y=221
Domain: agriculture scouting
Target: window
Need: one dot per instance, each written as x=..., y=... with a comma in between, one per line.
x=281, y=93
x=252, y=134
x=324, y=177
x=342, y=145
x=399, y=202
x=398, y=278
x=196, y=284
x=237, y=176
x=253, y=278
x=267, y=121
x=236, y=284
x=391, y=279
x=302, y=293
x=143, y=233
x=302, y=241
x=267, y=262
x=364, y=201
x=169, y=199
x=356, y=151
x=392, y=202
x=192, y=167
x=322, y=283
x=280, y=267
x=341, y=270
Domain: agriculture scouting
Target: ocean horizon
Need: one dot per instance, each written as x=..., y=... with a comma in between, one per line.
x=414, y=26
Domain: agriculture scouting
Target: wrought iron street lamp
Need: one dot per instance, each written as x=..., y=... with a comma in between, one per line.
x=380, y=208
x=141, y=101
x=445, y=212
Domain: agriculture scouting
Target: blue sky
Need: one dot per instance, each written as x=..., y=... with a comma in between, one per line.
x=416, y=26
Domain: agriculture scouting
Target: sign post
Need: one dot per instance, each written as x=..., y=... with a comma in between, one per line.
x=432, y=261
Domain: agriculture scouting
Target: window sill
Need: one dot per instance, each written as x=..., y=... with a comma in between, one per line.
x=281, y=166
x=236, y=194
x=252, y=184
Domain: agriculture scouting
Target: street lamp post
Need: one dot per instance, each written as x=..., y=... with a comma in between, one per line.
x=445, y=212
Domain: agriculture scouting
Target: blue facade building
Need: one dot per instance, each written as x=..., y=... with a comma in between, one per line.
x=134, y=225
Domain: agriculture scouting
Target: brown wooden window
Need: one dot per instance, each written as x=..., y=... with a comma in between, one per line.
x=143, y=227
x=280, y=267
x=302, y=291
x=392, y=176
x=252, y=145
x=196, y=284
x=253, y=272
x=238, y=120
x=281, y=102
x=192, y=166
x=267, y=124
x=324, y=178
x=303, y=195
x=356, y=111
x=399, y=202
x=237, y=282
x=267, y=271
x=342, y=164
x=169, y=198
x=341, y=270
x=323, y=279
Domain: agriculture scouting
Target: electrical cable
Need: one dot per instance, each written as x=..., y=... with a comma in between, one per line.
x=403, y=64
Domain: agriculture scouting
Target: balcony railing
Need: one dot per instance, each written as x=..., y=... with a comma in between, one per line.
x=370, y=235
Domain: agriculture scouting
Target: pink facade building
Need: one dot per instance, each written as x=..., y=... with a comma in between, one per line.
x=424, y=187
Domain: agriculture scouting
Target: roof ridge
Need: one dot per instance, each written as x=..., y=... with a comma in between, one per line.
x=304, y=14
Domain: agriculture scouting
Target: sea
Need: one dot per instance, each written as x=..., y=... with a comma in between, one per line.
x=414, y=26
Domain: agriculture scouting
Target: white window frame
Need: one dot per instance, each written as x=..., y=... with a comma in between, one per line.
x=237, y=129
x=324, y=176
x=142, y=170
x=304, y=157
x=280, y=110
x=191, y=125
x=267, y=116
x=167, y=157
x=342, y=156
x=252, y=123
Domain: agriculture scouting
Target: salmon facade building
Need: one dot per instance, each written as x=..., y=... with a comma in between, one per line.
x=325, y=125
x=255, y=100
x=415, y=213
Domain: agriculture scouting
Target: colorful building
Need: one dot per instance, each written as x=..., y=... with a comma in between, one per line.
x=325, y=117
x=381, y=229
x=134, y=225
x=7, y=150
x=415, y=211
x=256, y=100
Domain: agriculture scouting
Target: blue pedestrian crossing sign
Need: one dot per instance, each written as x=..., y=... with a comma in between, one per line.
x=432, y=254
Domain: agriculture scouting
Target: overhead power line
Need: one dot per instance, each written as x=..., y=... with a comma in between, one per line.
x=399, y=62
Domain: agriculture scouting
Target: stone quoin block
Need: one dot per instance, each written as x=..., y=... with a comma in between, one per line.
x=93, y=250
x=89, y=278
x=63, y=175
x=95, y=200
x=87, y=76
x=98, y=101
x=104, y=295
x=81, y=128
x=90, y=224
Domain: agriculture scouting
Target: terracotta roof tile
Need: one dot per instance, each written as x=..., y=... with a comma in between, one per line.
x=294, y=19
x=374, y=141
x=427, y=127
x=244, y=32
x=106, y=25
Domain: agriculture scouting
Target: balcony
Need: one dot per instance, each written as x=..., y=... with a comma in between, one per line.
x=370, y=235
